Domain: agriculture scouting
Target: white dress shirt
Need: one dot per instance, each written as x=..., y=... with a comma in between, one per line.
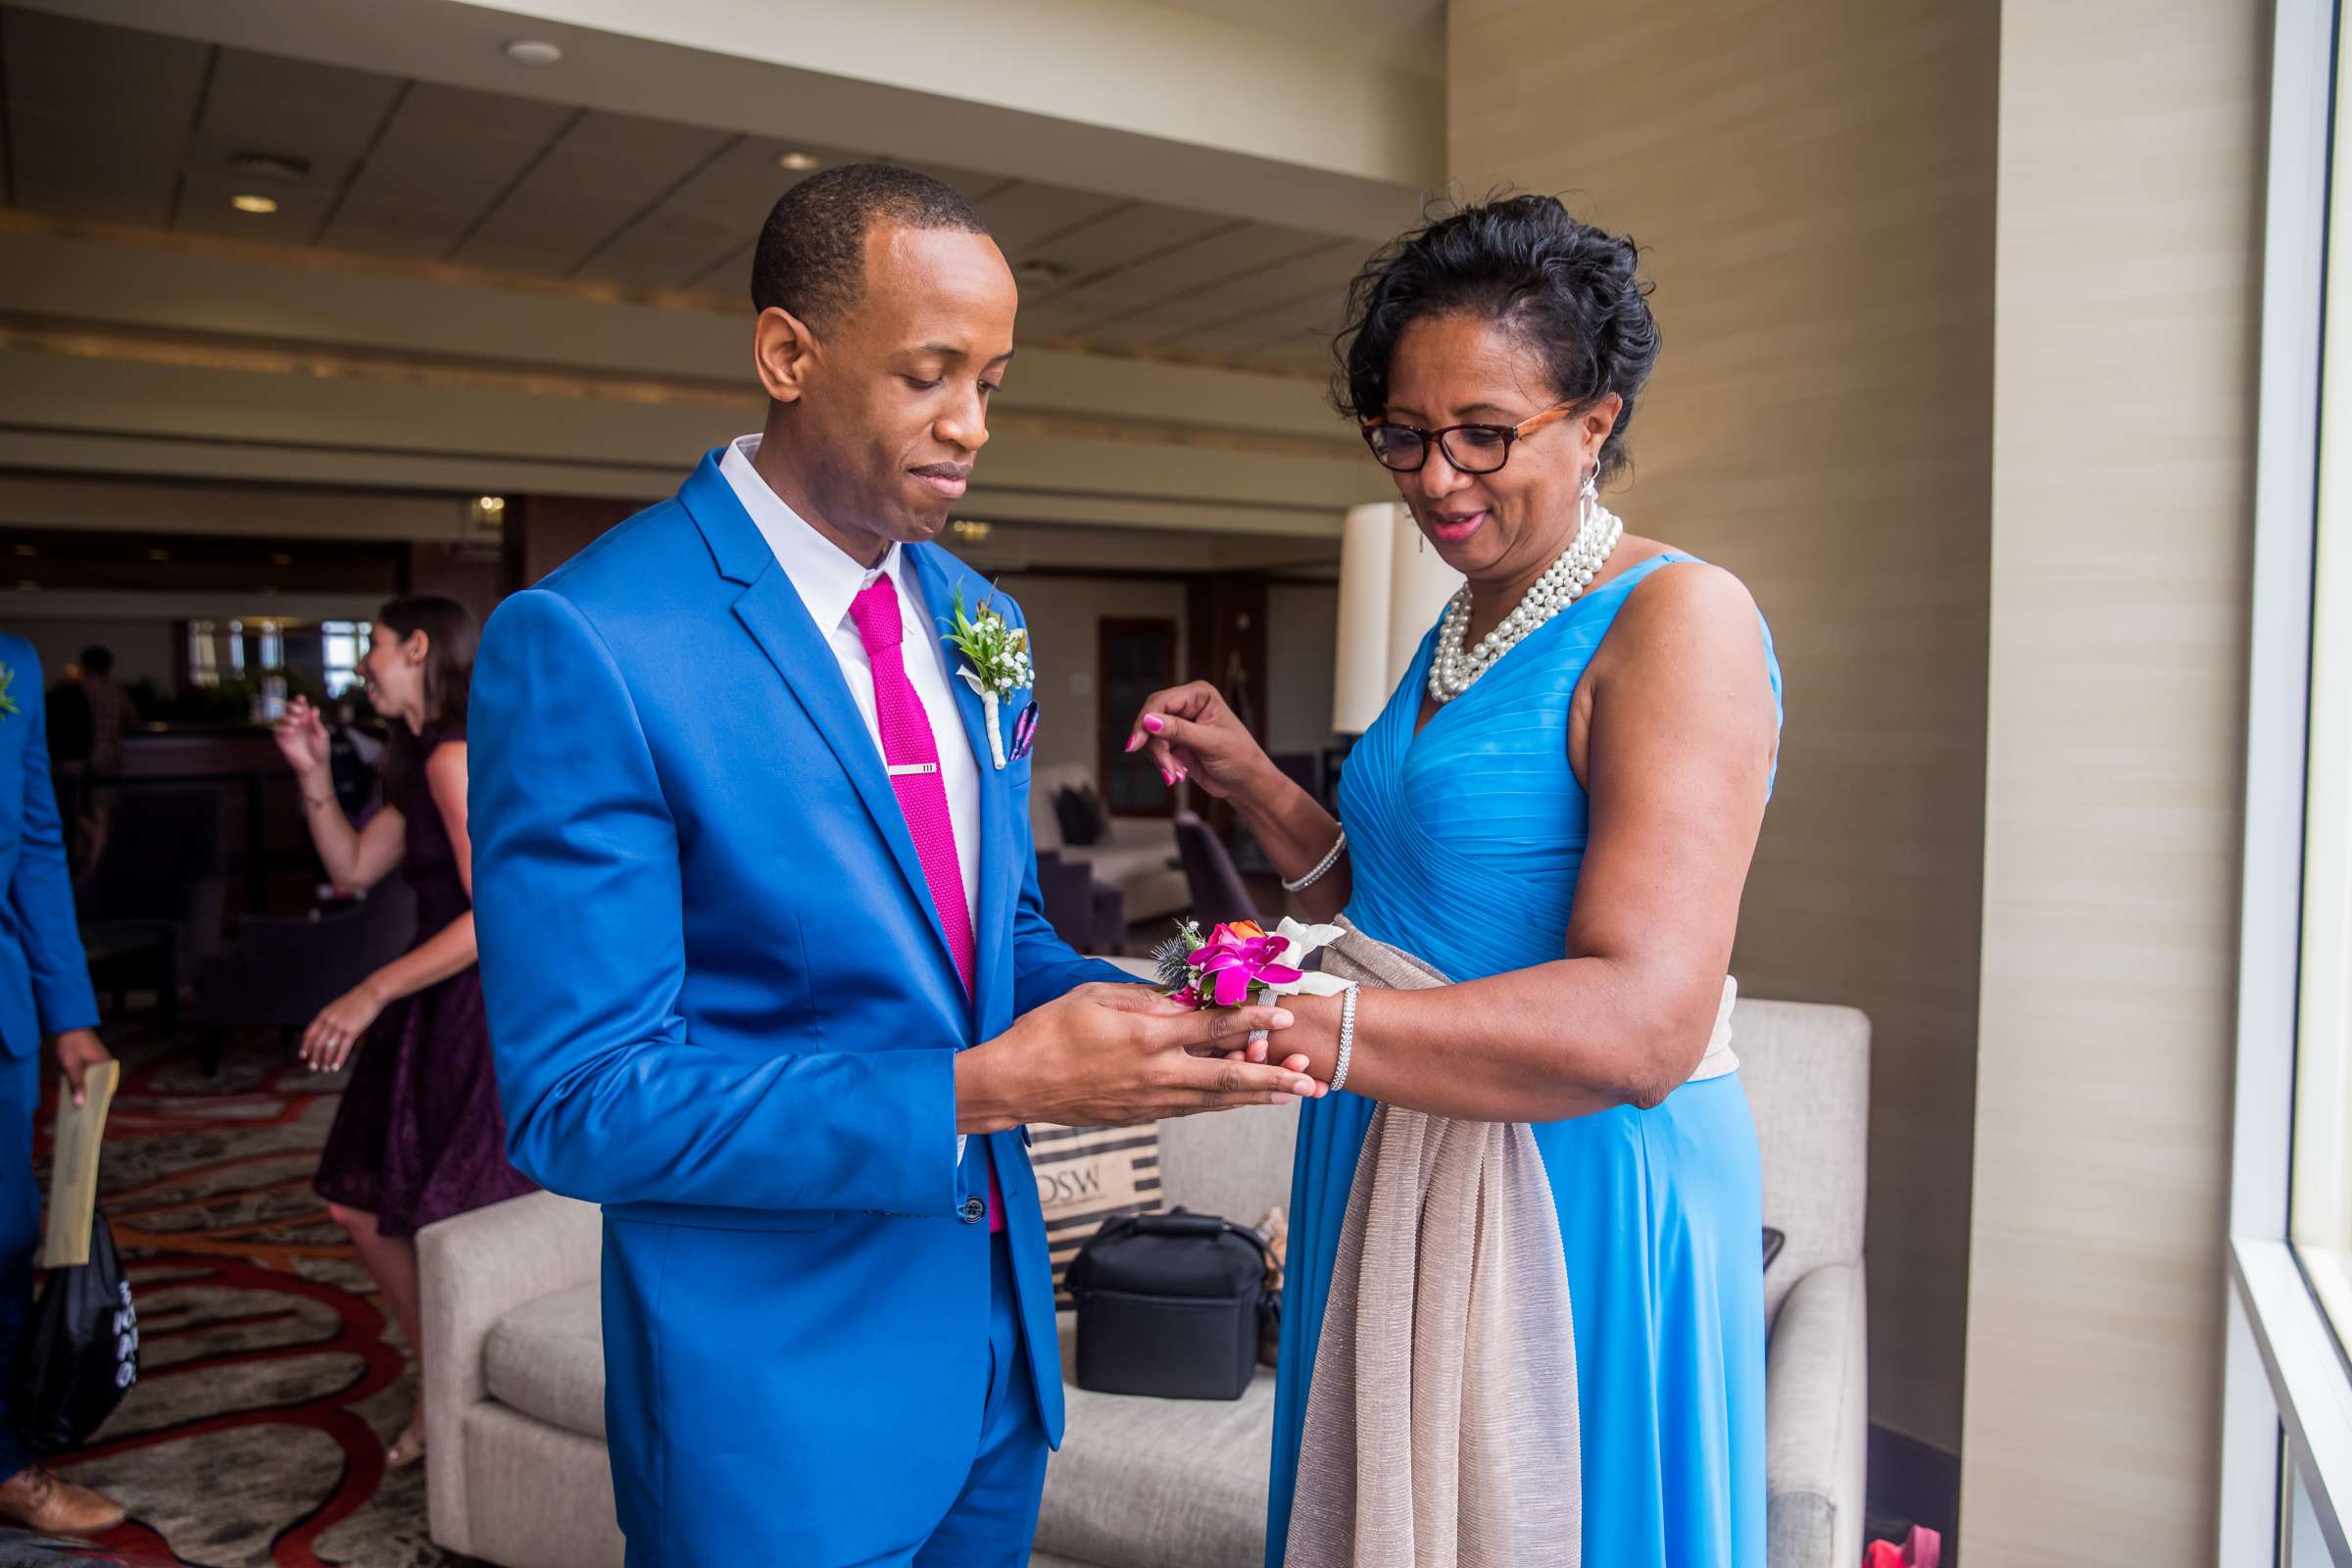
x=827, y=580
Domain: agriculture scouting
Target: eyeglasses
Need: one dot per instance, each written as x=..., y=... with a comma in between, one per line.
x=1470, y=448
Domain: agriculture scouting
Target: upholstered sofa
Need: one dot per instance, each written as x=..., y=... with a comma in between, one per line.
x=514, y=1375
x=1137, y=854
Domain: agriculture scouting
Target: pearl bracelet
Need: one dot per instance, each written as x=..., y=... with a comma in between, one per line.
x=1316, y=875
x=1338, y=1074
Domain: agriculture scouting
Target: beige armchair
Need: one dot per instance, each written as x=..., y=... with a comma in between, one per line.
x=514, y=1363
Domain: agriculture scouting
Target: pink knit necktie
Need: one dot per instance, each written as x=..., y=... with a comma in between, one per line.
x=912, y=753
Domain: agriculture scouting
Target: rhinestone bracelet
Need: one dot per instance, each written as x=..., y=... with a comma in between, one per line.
x=1321, y=866
x=1338, y=1074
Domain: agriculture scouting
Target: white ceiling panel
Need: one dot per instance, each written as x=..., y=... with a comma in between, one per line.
x=604, y=171
x=447, y=154
x=1023, y=214
x=98, y=116
x=265, y=104
x=1125, y=236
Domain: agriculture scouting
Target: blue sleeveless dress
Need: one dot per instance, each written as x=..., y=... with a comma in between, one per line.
x=1465, y=842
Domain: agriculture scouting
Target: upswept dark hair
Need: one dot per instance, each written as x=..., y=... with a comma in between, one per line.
x=811, y=260
x=1569, y=289
x=449, y=640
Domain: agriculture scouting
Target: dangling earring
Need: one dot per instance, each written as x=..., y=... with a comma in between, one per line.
x=1591, y=492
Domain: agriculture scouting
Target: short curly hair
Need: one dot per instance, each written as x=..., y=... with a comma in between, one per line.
x=811, y=260
x=1571, y=290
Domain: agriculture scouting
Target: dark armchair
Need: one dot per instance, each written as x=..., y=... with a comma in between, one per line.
x=1218, y=893
x=284, y=971
x=150, y=907
x=1090, y=915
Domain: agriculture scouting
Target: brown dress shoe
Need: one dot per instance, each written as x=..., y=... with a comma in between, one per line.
x=39, y=1500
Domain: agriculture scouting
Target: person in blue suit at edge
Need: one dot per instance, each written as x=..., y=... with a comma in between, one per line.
x=44, y=990
x=768, y=972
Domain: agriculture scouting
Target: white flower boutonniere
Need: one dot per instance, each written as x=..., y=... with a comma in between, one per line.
x=996, y=663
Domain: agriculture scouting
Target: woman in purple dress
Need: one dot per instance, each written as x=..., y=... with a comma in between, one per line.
x=420, y=1135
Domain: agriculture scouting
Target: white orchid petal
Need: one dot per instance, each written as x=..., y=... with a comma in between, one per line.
x=1318, y=984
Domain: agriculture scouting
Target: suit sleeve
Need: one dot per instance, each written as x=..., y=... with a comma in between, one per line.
x=40, y=892
x=579, y=914
x=1044, y=966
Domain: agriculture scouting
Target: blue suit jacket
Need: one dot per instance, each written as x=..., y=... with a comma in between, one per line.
x=44, y=980
x=723, y=1006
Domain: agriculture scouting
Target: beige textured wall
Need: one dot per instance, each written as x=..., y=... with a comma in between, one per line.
x=1814, y=187
x=2130, y=161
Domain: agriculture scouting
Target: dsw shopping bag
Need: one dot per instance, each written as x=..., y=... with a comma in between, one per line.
x=80, y=1351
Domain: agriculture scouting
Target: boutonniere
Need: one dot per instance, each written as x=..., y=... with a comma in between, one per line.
x=7, y=703
x=996, y=664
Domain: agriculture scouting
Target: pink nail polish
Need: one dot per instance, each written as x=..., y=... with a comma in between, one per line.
x=1151, y=722
x=1167, y=777
x=1134, y=741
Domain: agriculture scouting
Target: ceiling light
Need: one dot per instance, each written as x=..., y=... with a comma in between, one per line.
x=799, y=163
x=532, y=52
x=492, y=503
x=253, y=203
x=970, y=530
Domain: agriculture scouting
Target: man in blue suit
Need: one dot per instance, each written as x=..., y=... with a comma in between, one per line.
x=44, y=990
x=767, y=973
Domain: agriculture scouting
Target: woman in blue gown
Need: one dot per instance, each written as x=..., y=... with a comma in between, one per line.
x=1561, y=822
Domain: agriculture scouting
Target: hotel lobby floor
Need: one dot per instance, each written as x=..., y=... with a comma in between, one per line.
x=269, y=1381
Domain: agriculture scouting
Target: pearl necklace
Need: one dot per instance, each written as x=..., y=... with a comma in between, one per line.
x=1453, y=668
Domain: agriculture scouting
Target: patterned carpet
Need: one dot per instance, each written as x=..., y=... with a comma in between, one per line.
x=270, y=1382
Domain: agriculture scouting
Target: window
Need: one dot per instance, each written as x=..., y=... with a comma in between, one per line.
x=341, y=641
x=2286, y=1438
x=203, y=654
x=2320, y=1191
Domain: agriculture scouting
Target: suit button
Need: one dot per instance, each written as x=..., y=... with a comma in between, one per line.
x=973, y=1209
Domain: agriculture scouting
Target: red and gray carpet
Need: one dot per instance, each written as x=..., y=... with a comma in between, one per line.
x=269, y=1381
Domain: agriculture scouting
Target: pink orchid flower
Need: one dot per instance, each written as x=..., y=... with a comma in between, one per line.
x=1230, y=963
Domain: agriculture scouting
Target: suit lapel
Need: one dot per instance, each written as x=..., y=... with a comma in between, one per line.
x=770, y=608
x=936, y=590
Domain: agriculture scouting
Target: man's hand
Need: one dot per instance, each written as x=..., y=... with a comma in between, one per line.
x=77, y=1051
x=1116, y=1054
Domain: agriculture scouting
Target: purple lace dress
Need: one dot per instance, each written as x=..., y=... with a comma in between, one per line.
x=420, y=1135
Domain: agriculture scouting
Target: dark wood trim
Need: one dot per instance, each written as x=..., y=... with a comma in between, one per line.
x=1110, y=728
x=1912, y=1482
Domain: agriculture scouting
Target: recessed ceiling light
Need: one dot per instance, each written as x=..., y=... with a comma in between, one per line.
x=253, y=203
x=799, y=163
x=533, y=52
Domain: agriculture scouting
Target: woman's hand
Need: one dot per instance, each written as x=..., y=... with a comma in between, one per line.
x=302, y=736
x=1193, y=735
x=326, y=1044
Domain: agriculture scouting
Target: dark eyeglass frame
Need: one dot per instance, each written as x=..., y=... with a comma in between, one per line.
x=1434, y=440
